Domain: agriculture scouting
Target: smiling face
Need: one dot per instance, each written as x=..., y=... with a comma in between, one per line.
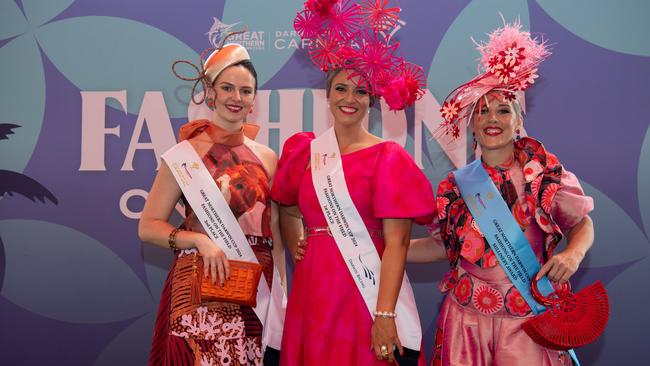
x=235, y=93
x=348, y=103
x=495, y=122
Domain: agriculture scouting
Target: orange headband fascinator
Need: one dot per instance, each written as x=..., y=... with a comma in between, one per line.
x=222, y=56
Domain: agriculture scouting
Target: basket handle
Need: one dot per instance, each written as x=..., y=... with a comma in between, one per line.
x=554, y=298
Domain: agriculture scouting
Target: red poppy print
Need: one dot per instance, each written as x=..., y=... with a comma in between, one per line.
x=551, y=161
x=535, y=185
x=473, y=246
x=487, y=300
x=463, y=290
x=531, y=170
x=519, y=213
x=490, y=259
x=548, y=195
x=449, y=281
x=515, y=303
x=442, y=202
x=543, y=221
x=445, y=186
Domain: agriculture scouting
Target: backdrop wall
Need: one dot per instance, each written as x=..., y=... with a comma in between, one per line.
x=88, y=86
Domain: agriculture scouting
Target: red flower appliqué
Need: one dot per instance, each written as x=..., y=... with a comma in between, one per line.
x=487, y=300
x=515, y=303
x=512, y=55
x=450, y=110
x=463, y=289
x=505, y=72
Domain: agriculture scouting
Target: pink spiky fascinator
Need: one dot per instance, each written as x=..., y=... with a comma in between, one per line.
x=357, y=36
x=508, y=64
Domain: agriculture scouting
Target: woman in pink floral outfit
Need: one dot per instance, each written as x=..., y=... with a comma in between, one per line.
x=480, y=320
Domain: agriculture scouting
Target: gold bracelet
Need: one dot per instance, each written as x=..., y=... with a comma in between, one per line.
x=172, y=239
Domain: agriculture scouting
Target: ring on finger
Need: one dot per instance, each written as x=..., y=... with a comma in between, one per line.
x=384, y=351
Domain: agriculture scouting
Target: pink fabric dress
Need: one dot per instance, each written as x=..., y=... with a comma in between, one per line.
x=327, y=321
x=480, y=321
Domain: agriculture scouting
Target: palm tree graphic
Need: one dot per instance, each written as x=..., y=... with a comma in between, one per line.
x=13, y=182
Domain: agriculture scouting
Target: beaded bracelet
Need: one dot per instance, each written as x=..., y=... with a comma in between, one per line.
x=172, y=239
x=385, y=314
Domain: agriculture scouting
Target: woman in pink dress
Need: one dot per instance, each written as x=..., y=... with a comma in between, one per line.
x=327, y=320
x=481, y=317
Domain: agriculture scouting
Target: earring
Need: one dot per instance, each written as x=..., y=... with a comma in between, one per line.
x=474, y=143
x=518, y=137
x=210, y=103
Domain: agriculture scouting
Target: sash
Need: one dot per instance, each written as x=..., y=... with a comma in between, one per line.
x=222, y=227
x=353, y=240
x=503, y=233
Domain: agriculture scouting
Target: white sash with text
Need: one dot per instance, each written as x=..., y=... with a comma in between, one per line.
x=220, y=224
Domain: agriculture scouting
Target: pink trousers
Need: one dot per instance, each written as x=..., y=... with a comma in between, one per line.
x=476, y=325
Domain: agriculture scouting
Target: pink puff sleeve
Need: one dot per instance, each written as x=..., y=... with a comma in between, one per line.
x=401, y=189
x=291, y=167
x=570, y=204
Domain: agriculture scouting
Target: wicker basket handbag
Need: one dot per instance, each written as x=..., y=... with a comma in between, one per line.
x=571, y=320
x=240, y=288
x=190, y=288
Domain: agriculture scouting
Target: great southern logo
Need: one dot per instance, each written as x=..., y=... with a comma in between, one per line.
x=188, y=167
x=252, y=40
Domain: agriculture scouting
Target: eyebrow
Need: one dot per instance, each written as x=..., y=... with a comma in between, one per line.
x=233, y=85
x=504, y=105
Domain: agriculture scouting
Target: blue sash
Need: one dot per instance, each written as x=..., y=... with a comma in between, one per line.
x=503, y=233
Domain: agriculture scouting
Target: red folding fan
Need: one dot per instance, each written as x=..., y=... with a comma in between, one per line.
x=570, y=320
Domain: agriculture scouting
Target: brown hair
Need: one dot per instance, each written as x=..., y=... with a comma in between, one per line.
x=331, y=74
x=248, y=65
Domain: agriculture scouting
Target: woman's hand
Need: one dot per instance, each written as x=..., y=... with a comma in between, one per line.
x=561, y=266
x=214, y=260
x=384, y=339
x=301, y=249
x=564, y=264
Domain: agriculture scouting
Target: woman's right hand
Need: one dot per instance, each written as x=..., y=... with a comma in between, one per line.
x=215, y=261
x=301, y=249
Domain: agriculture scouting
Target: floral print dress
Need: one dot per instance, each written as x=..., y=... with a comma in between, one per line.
x=217, y=333
x=480, y=321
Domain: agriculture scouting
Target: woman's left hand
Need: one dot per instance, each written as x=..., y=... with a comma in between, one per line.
x=561, y=266
x=384, y=334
